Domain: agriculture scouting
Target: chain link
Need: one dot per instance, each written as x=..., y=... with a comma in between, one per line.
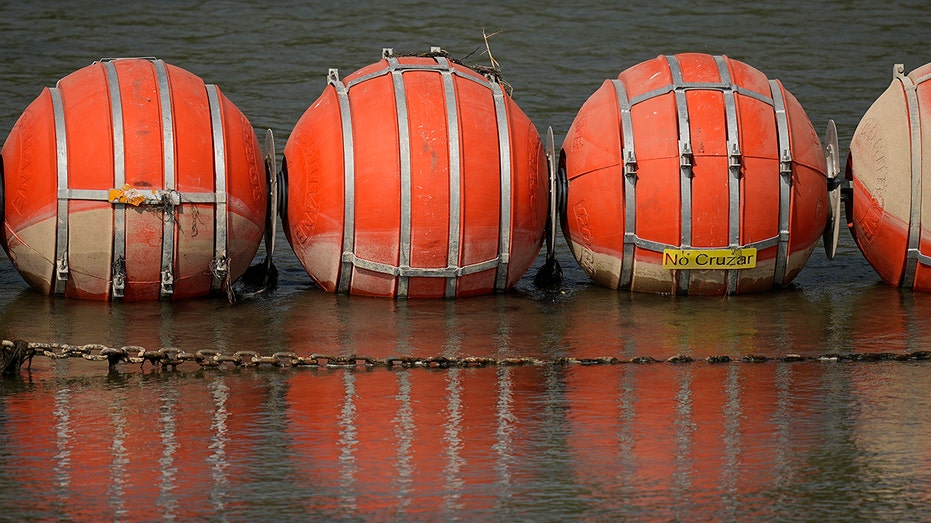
x=13, y=354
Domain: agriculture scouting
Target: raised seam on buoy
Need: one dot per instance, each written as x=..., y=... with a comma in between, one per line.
x=455, y=205
x=166, y=288
x=220, y=266
x=913, y=254
x=61, y=235
x=403, y=269
x=118, y=261
x=685, y=166
x=733, y=166
x=785, y=181
x=630, y=184
x=404, y=150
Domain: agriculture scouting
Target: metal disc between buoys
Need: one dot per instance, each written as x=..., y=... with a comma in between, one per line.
x=271, y=222
x=832, y=158
x=553, y=214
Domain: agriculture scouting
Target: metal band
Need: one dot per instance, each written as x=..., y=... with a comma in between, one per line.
x=455, y=204
x=168, y=173
x=155, y=197
x=785, y=182
x=169, y=198
x=342, y=94
x=913, y=255
x=733, y=166
x=403, y=270
x=924, y=259
x=729, y=92
x=415, y=67
x=451, y=271
x=220, y=257
x=504, y=149
x=404, y=149
x=118, y=260
x=84, y=194
x=654, y=246
x=61, y=149
x=629, y=158
x=196, y=197
x=707, y=86
x=685, y=165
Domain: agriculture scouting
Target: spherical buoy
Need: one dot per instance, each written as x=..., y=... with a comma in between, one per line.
x=889, y=207
x=415, y=177
x=132, y=179
x=692, y=174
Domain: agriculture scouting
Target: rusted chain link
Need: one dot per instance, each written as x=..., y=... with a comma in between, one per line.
x=13, y=354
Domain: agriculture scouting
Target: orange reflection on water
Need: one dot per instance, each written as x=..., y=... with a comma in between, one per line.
x=89, y=451
x=392, y=443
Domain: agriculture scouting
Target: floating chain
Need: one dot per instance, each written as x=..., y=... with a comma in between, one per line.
x=14, y=353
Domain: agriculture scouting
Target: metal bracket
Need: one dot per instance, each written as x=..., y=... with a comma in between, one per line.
x=61, y=273
x=685, y=157
x=119, y=278
x=167, y=283
x=733, y=161
x=835, y=184
x=220, y=268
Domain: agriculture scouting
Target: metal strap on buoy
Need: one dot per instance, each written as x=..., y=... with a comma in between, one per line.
x=403, y=271
x=118, y=271
x=61, y=148
x=168, y=162
x=685, y=164
x=404, y=145
x=220, y=267
x=630, y=184
x=168, y=198
x=729, y=91
x=733, y=166
x=504, y=149
x=349, y=184
x=785, y=181
x=913, y=255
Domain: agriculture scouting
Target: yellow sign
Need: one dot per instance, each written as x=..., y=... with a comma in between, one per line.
x=714, y=259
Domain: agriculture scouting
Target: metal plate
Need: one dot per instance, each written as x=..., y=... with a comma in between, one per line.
x=832, y=158
x=553, y=216
x=271, y=221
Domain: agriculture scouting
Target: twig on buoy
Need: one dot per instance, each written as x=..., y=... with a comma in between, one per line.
x=494, y=63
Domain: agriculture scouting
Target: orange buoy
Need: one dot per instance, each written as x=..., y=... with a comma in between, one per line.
x=889, y=207
x=132, y=179
x=692, y=174
x=415, y=177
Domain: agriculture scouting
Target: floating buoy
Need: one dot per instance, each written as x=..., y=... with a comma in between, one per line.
x=693, y=174
x=415, y=177
x=889, y=206
x=132, y=179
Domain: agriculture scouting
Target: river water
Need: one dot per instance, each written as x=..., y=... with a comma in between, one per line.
x=772, y=441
